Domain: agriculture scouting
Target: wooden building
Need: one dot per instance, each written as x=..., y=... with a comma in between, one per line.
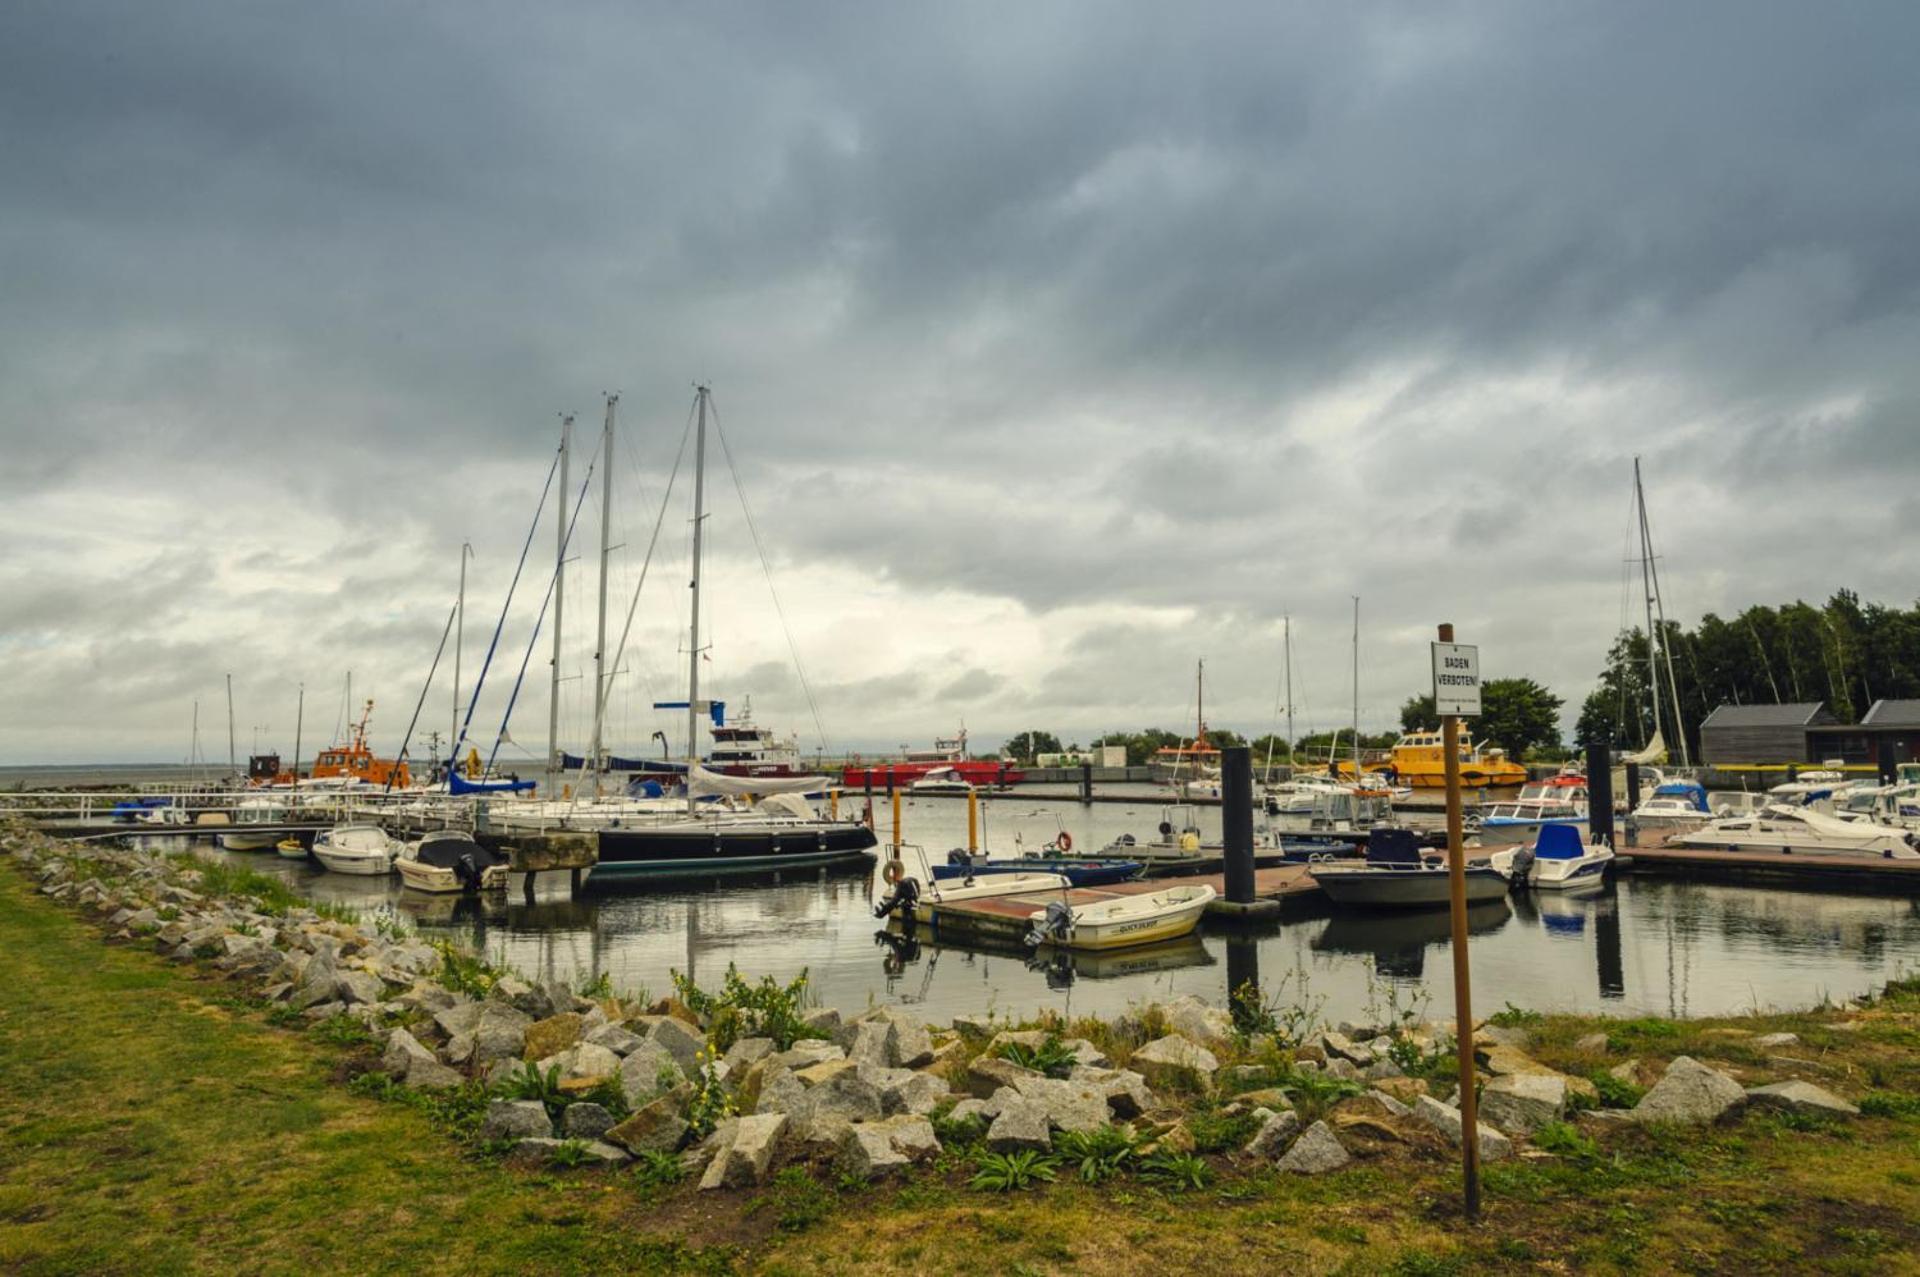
x=1889, y=734
x=1758, y=734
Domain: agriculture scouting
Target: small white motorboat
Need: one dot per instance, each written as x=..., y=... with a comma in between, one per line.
x=450, y=861
x=1395, y=875
x=1799, y=831
x=356, y=849
x=1121, y=923
x=941, y=780
x=256, y=812
x=1559, y=859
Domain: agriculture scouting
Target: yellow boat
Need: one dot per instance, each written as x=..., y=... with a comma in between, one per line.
x=1122, y=923
x=1419, y=759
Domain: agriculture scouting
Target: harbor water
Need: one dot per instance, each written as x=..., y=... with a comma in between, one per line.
x=1642, y=946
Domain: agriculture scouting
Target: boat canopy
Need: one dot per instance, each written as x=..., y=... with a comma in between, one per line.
x=704, y=782
x=1559, y=842
x=443, y=851
x=1398, y=848
x=1695, y=794
x=656, y=766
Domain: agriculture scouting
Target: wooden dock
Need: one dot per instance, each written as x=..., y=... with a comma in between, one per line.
x=1876, y=873
x=1006, y=917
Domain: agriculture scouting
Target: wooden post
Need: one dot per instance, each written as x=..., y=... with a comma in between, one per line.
x=1462, y=991
x=973, y=820
x=833, y=804
x=1086, y=782
x=896, y=824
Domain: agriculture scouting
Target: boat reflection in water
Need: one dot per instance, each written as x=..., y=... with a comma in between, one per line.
x=1399, y=941
x=907, y=946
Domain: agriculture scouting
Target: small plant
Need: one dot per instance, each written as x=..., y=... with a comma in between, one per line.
x=343, y=1030
x=1890, y=1104
x=741, y=1010
x=1513, y=1017
x=711, y=1102
x=1177, y=1171
x=570, y=1154
x=959, y=1133
x=1289, y=1014
x=282, y=1015
x=463, y=972
x=1102, y=1153
x=653, y=1169
x=1052, y=1057
x=1615, y=1092
x=1012, y=1172
x=337, y=912
x=1563, y=1140
x=1215, y=1131
x=529, y=1083
x=597, y=989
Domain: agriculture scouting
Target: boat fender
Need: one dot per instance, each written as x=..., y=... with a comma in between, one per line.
x=893, y=871
x=1189, y=841
x=1064, y=841
x=1166, y=829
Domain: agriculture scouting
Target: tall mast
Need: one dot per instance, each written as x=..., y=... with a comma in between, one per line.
x=299, y=721
x=1199, y=705
x=459, y=635
x=1286, y=624
x=1356, y=688
x=193, y=748
x=1646, y=588
x=1660, y=613
x=233, y=758
x=559, y=598
x=600, y=640
x=693, y=628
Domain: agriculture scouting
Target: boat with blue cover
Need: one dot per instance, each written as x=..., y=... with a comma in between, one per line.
x=1395, y=875
x=1560, y=858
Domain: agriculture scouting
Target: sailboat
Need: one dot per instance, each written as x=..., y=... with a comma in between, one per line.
x=1194, y=767
x=1654, y=752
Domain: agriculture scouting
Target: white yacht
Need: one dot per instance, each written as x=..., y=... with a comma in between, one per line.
x=1560, y=859
x=356, y=849
x=1560, y=801
x=943, y=780
x=1799, y=831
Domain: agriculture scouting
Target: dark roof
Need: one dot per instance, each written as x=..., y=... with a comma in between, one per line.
x=1893, y=714
x=1793, y=714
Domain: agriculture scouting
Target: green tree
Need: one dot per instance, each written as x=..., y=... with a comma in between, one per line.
x=1518, y=715
x=1140, y=746
x=1028, y=745
x=1419, y=715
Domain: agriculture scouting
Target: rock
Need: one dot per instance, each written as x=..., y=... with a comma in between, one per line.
x=1522, y=1103
x=712, y=1154
x=431, y=1075
x=1803, y=1097
x=825, y=1071
x=871, y=1149
x=515, y=1120
x=1021, y=1124
x=754, y=1143
x=1345, y=1070
x=425, y=995
x=1504, y=1061
x=970, y=1109
x=681, y=1040
x=499, y=1034
x=911, y=1046
x=402, y=1050
x=986, y=1074
x=824, y=1019
x=1501, y=1035
x=747, y=1052
x=807, y=1051
x=1445, y=1119
x=585, y=1063
x=1339, y=1046
x=1086, y=1053
x=551, y=1036
x=867, y=1042
x=973, y=1027
x=1273, y=1136
x=459, y=1020
x=779, y=1092
x=912, y=1092
x=1175, y=1061
x=841, y=1098
x=317, y=982
x=1382, y=1069
x=620, y=1041
x=1316, y=1152
x=1690, y=1093
x=647, y=1071
x=539, y=1151
x=1777, y=1039
x=1390, y=1103
x=1069, y=1106
x=1194, y=1019
x=1031, y=1039
x=585, y=1121
x=656, y=1126
x=1271, y=1098
x=1596, y=1042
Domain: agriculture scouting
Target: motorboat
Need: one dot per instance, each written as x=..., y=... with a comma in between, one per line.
x=450, y=861
x=1080, y=871
x=1324, y=807
x=1560, y=801
x=290, y=848
x=1122, y=922
x=1395, y=875
x=1799, y=831
x=1418, y=758
x=1560, y=858
x=908, y=898
x=1897, y=804
x=256, y=812
x=944, y=780
x=356, y=849
x=1680, y=804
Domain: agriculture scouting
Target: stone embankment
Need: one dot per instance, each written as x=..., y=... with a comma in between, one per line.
x=576, y=1080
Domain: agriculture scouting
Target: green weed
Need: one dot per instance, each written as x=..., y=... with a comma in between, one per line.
x=1012, y=1172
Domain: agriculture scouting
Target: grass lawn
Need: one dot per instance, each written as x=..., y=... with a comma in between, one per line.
x=153, y=1122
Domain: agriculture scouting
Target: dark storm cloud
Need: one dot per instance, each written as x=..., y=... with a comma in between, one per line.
x=1212, y=313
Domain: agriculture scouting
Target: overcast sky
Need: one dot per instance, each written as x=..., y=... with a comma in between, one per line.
x=1059, y=346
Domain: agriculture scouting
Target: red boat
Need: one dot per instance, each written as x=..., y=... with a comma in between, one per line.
x=945, y=755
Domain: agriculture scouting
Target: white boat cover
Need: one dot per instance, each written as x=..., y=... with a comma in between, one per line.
x=704, y=783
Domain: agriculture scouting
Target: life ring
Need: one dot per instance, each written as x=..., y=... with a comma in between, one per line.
x=1189, y=841
x=1166, y=829
x=892, y=872
x=1065, y=841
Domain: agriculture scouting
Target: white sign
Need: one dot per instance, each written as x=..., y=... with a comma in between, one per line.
x=1456, y=679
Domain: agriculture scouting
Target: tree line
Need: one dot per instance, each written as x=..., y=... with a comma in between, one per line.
x=1845, y=653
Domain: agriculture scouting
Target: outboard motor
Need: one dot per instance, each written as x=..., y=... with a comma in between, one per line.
x=1521, y=864
x=900, y=898
x=466, y=872
x=1056, y=924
